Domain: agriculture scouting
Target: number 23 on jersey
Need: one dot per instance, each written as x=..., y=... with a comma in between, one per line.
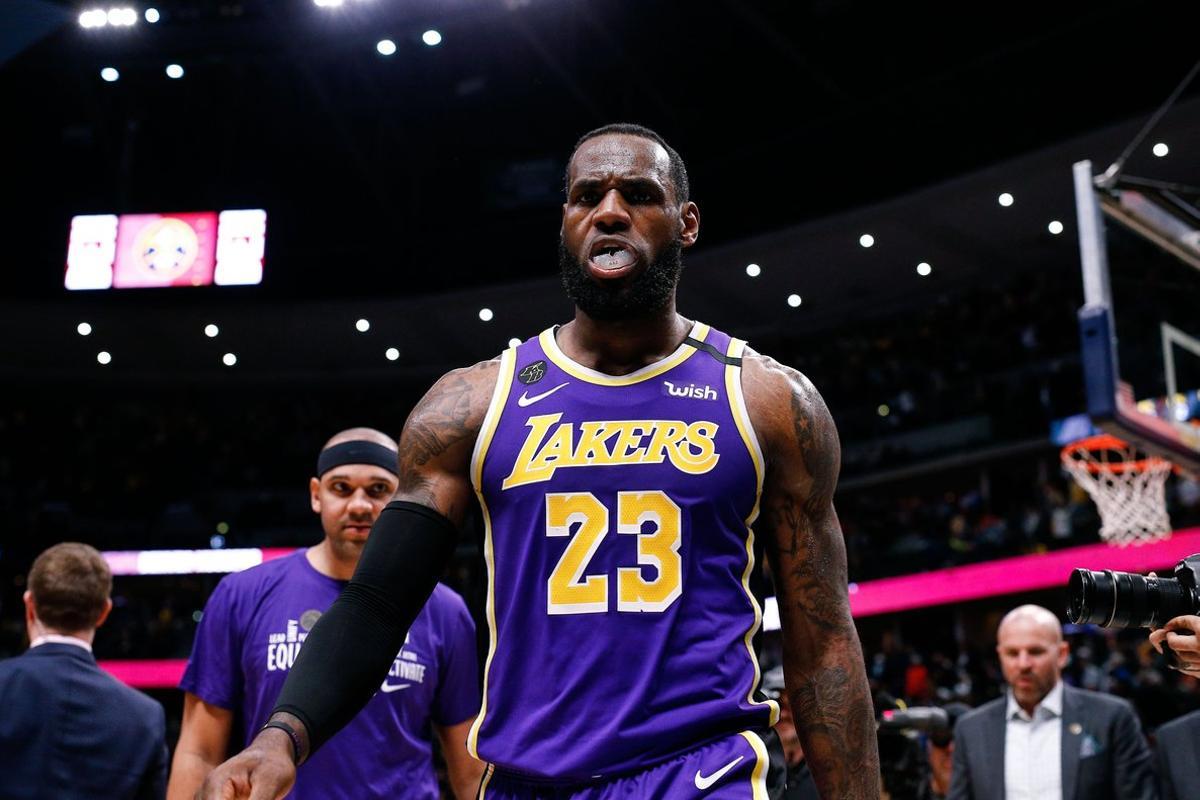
x=573, y=591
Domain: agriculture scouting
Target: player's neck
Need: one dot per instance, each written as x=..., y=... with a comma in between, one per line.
x=619, y=347
x=325, y=560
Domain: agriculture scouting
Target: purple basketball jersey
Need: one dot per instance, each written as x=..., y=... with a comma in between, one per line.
x=619, y=550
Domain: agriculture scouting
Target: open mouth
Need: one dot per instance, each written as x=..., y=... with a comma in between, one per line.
x=611, y=259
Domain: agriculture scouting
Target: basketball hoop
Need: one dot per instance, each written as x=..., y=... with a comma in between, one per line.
x=1128, y=487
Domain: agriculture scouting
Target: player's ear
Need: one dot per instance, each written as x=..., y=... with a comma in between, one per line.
x=689, y=216
x=314, y=494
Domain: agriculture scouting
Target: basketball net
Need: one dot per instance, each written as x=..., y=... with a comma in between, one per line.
x=1129, y=488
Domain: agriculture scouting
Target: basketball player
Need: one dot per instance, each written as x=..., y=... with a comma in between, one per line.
x=628, y=464
x=256, y=621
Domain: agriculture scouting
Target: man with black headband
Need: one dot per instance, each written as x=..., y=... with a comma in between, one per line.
x=630, y=465
x=256, y=621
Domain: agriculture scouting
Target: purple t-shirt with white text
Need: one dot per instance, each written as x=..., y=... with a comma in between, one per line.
x=253, y=626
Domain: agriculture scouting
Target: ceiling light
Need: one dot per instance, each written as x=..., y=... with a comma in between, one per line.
x=1055, y=227
x=362, y=326
x=866, y=240
x=152, y=15
x=83, y=329
x=753, y=270
x=883, y=410
x=1161, y=149
x=211, y=330
x=1005, y=199
x=103, y=357
x=229, y=359
x=110, y=74
x=513, y=342
x=486, y=314
x=174, y=71
x=431, y=38
x=93, y=18
x=794, y=300
x=391, y=354
x=924, y=269
x=122, y=17
x=328, y=3
x=386, y=47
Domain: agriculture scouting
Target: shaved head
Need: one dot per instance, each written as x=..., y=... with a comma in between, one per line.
x=362, y=435
x=1032, y=653
x=1041, y=617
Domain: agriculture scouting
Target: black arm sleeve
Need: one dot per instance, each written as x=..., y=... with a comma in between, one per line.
x=350, y=649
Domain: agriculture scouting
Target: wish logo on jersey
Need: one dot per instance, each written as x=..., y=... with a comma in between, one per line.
x=690, y=391
x=552, y=445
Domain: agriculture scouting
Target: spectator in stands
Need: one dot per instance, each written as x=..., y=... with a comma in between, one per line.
x=69, y=730
x=1056, y=741
x=256, y=621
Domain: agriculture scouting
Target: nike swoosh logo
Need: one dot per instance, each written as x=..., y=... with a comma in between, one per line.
x=704, y=782
x=526, y=400
x=389, y=688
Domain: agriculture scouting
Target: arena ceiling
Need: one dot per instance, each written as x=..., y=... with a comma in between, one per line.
x=418, y=187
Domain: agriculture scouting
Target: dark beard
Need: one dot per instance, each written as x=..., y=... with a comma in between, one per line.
x=649, y=292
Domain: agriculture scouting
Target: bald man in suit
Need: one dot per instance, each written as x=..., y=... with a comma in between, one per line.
x=1045, y=740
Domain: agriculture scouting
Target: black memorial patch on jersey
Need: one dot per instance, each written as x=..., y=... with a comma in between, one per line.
x=532, y=373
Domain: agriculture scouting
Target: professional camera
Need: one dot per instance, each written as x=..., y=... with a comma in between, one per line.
x=936, y=723
x=1124, y=600
x=902, y=756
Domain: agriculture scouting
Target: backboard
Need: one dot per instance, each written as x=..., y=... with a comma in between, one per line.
x=1140, y=323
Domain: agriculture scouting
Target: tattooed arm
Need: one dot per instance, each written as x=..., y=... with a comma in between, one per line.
x=349, y=650
x=439, y=436
x=822, y=658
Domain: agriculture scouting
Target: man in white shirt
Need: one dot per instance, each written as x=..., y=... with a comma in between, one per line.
x=1045, y=740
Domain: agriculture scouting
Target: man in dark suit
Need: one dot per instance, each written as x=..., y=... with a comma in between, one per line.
x=69, y=730
x=1179, y=757
x=1045, y=740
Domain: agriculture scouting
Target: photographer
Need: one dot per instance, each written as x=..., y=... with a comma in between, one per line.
x=1125, y=600
x=1182, y=635
x=921, y=741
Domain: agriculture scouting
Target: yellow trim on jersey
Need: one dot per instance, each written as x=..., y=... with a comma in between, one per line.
x=758, y=778
x=488, y=772
x=685, y=351
x=737, y=405
x=491, y=420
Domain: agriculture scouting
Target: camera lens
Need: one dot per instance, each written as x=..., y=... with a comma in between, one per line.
x=1090, y=597
x=1124, y=600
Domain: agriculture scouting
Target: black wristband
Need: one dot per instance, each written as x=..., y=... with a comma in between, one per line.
x=292, y=734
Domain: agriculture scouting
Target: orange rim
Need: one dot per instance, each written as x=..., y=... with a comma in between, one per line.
x=1071, y=455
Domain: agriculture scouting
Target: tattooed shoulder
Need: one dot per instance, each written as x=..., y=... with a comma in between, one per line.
x=443, y=425
x=791, y=418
